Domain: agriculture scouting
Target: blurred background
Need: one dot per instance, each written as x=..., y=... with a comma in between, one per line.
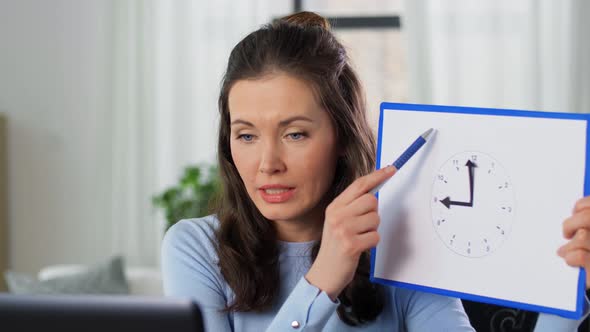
x=104, y=103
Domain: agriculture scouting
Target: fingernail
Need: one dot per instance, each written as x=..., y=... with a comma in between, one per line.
x=389, y=169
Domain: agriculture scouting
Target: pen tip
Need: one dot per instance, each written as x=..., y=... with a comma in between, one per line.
x=427, y=133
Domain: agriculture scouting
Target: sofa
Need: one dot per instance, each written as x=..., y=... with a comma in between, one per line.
x=142, y=280
x=111, y=276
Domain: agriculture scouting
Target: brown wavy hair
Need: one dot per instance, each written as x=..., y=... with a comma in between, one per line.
x=301, y=45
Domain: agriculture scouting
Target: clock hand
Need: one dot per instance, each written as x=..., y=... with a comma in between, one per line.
x=470, y=165
x=447, y=200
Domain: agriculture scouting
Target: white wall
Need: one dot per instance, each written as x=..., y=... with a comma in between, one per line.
x=72, y=81
x=53, y=88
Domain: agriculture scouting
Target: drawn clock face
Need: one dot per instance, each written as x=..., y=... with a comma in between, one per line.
x=472, y=204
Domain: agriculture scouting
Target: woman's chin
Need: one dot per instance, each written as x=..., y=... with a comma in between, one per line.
x=277, y=214
x=288, y=211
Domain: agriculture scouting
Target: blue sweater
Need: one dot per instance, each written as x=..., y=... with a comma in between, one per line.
x=189, y=266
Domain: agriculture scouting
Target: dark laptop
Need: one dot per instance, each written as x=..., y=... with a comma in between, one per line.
x=91, y=313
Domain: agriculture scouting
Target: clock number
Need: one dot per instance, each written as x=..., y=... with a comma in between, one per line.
x=469, y=250
x=473, y=157
x=456, y=162
x=488, y=248
x=492, y=168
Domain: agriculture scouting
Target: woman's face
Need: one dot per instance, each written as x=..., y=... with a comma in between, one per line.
x=283, y=144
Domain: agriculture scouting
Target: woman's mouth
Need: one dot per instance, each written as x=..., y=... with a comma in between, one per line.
x=276, y=194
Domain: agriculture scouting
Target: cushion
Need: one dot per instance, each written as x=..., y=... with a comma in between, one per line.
x=142, y=280
x=104, y=278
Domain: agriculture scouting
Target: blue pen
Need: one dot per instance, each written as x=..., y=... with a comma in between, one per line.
x=407, y=155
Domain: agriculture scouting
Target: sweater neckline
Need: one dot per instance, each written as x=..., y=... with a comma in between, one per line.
x=296, y=248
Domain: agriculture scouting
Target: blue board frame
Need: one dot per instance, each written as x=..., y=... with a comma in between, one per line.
x=577, y=314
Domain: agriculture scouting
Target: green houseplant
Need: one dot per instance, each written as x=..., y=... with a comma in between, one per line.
x=192, y=196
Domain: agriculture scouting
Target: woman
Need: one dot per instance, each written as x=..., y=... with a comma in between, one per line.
x=288, y=246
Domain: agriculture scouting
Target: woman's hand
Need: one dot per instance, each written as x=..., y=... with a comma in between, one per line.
x=350, y=227
x=577, y=229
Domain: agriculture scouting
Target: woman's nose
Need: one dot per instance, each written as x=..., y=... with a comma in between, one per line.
x=271, y=161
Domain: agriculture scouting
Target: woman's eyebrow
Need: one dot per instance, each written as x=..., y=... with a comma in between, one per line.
x=294, y=118
x=240, y=121
x=283, y=123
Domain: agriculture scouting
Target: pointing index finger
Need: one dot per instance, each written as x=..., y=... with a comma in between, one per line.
x=365, y=183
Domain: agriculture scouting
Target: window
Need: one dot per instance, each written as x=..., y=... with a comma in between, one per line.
x=371, y=32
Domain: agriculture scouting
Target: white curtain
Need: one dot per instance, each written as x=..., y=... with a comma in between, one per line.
x=526, y=54
x=168, y=61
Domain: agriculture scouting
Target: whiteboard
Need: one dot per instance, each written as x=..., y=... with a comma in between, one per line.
x=494, y=241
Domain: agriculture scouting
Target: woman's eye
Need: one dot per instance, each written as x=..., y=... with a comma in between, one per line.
x=296, y=136
x=246, y=137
